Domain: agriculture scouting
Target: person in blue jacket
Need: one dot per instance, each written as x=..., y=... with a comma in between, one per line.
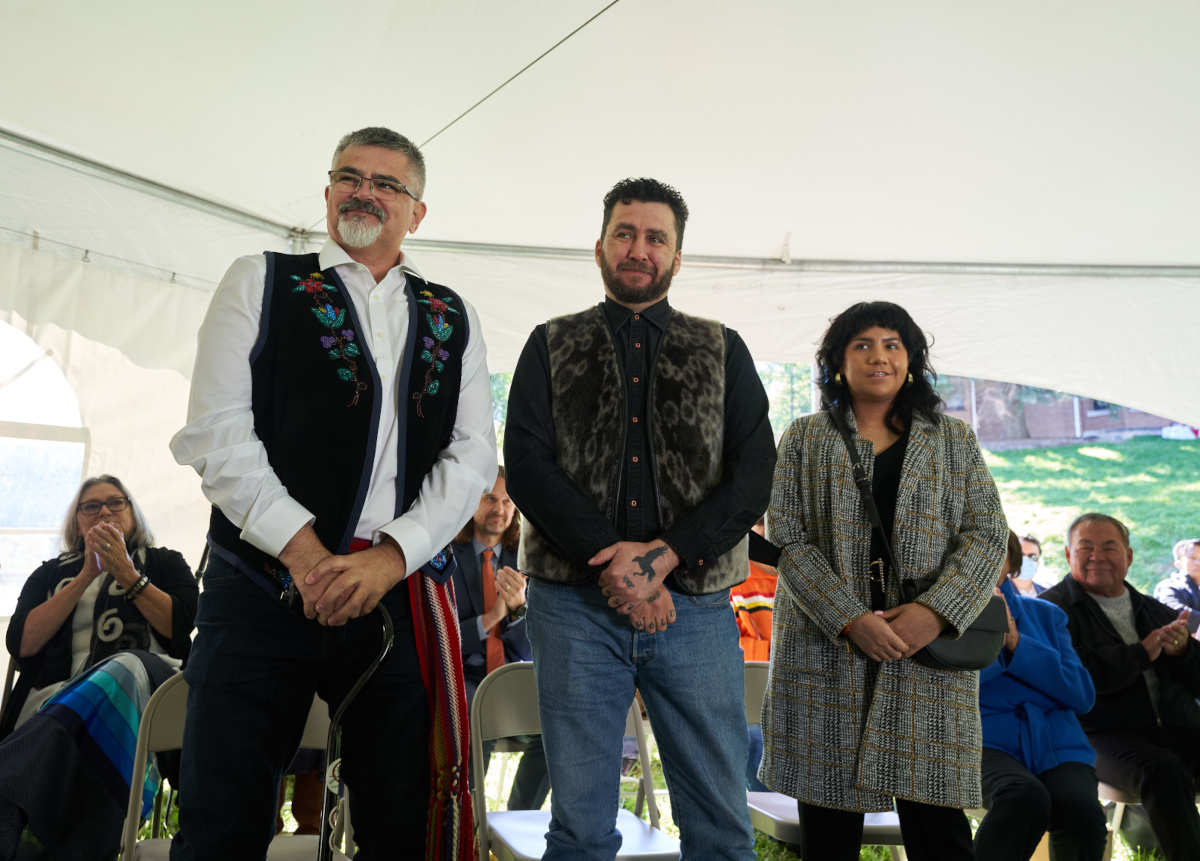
x=1038, y=767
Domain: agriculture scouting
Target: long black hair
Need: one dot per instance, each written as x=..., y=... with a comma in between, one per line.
x=918, y=398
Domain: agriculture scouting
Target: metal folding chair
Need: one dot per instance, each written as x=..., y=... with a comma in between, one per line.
x=776, y=815
x=506, y=704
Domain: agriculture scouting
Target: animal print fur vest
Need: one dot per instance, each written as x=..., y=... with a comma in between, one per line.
x=687, y=428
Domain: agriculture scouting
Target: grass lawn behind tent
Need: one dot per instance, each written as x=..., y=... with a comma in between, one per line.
x=1152, y=485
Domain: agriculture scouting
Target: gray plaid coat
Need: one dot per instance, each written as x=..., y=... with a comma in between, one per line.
x=840, y=730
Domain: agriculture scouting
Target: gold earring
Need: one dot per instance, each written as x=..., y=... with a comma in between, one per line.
x=837, y=378
x=909, y=380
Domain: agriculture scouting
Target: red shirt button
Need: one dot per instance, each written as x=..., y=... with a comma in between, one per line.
x=633, y=502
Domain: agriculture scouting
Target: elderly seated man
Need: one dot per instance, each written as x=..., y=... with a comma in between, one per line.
x=1147, y=675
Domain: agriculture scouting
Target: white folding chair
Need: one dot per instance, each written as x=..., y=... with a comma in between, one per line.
x=506, y=704
x=1121, y=800
x=776, y=815
x=161, y=729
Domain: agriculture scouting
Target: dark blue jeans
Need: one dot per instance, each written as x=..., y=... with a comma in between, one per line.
x=588, y=661
x=252, y=673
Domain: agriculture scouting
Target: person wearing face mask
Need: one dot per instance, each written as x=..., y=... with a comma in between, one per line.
x=1022, y=578
x=1182, y=589
x=1038, y=769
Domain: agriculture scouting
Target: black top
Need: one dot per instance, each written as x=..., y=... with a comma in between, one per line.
x=885, y=486
x=573, y=524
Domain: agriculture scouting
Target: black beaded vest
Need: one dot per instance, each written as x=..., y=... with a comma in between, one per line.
x=316, y=405
x=687, y=430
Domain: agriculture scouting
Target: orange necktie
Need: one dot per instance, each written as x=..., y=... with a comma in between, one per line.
x=495, y=648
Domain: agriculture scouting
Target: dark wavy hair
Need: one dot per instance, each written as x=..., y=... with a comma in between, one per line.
x=510, y=540
x=646, y=190
x=918, y=398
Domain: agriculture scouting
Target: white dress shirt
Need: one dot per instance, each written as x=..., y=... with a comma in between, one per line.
x=219, y=440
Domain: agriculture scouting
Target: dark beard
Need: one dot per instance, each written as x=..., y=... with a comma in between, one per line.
x=627, y=295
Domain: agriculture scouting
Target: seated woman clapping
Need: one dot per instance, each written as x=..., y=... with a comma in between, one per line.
x=95, y=632
x=1038, y=767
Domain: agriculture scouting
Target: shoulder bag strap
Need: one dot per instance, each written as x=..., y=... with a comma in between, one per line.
x=864, y=486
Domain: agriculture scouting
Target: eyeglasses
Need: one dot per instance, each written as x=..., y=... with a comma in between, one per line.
x=349, y=183
x=113, y=504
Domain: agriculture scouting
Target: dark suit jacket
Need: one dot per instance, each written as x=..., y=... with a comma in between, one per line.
x=468, y=595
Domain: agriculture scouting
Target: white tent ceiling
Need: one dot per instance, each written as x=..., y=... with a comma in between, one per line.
x=1013, y=135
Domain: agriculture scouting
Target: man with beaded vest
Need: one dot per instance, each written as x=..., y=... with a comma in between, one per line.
x=341, y=421
x=639, y=453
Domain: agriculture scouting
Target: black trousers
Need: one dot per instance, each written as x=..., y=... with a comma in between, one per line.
x=930, y=833
x=1023, y=806
x=252, y=673
x=1161, y=765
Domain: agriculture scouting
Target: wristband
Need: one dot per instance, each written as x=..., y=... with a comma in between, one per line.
x=137, y=588
x=846, y=630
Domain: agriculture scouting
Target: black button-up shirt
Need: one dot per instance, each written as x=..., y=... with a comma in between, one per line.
x=569, y=520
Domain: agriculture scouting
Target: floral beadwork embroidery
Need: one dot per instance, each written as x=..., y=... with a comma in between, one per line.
x=434, y=353
x=439, y=562
x=339, y=344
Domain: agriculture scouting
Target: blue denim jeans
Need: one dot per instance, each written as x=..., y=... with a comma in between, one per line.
x=588, y=661
x=251, y=675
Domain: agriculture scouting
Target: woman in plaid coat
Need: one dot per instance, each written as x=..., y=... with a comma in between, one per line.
x=849, y=721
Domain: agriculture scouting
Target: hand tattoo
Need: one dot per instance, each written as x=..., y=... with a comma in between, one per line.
x=628, y=583
x=653, y=597
x=646, y=563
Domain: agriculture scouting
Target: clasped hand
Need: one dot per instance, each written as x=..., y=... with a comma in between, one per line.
x=337, y=589
x=1171, y=638
x=104, y=546
x=633, y=582
x=901, y=632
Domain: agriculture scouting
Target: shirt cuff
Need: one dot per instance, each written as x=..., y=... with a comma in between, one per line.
x=276, y=526
x=483, y=635
x=413, y=540
x=691, y=545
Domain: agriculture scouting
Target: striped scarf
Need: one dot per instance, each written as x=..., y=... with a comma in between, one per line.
x=450, y=829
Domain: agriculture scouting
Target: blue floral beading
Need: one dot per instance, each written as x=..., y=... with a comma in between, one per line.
x=434, y=353
x=339, y=344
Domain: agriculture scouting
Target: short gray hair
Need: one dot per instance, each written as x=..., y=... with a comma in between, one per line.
x=388, y=139
x=1097, y=517
x=139, y=536
x=1182, y=548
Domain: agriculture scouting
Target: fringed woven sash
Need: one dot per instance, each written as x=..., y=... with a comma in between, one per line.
x=450, y=829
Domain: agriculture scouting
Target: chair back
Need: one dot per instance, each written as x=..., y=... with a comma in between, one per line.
x=506, y=704
x=161, y=728
x=756, y=689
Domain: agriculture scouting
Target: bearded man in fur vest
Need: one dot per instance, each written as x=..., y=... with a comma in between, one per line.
x=639, y=453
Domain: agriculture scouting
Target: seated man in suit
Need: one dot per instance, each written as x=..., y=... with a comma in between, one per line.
x=490, y=594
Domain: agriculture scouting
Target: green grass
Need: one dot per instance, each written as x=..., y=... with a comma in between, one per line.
x=1153, y=485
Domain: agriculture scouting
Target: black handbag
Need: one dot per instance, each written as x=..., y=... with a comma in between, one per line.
x=977, y=646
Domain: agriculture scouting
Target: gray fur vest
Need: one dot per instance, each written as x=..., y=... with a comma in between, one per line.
x=687, y=430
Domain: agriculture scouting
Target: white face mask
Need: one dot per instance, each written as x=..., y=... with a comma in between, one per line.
x=1029, y=567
